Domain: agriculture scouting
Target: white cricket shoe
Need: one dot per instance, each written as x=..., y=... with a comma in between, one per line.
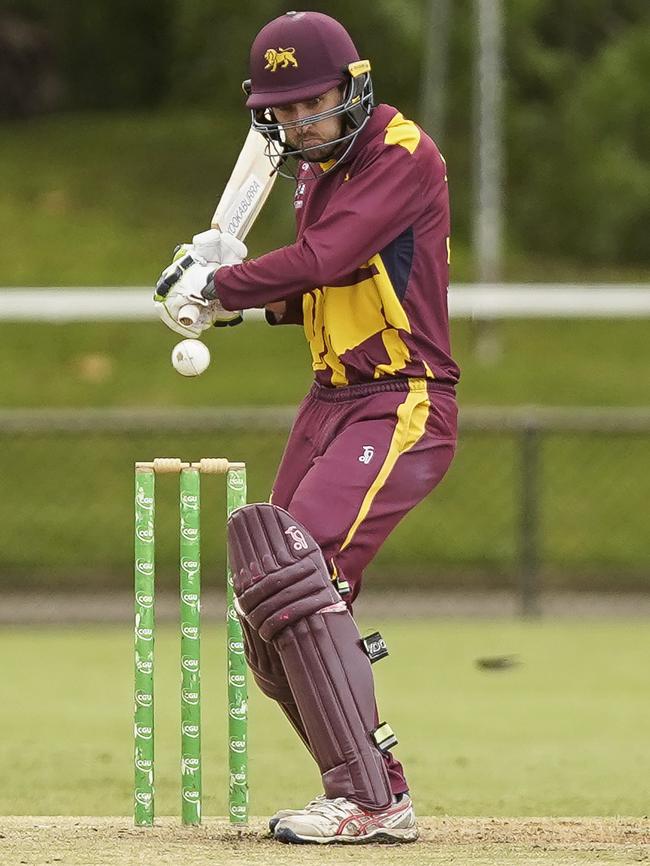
x=286, y=813
x=331, y=821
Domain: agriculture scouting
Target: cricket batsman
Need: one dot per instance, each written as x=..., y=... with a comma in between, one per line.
x=367, y=278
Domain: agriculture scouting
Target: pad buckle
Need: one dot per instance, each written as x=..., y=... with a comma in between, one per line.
x=384, y=737
x=375, y=647
x=342, y=585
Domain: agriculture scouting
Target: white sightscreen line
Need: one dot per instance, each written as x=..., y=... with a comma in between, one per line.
x=478, y=301
x=541, y=300
x=84, y=304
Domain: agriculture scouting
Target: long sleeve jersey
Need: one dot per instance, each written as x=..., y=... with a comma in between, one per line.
x=370, y=264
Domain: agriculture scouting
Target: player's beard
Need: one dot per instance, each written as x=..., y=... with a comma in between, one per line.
x=319, y=154
x=311, y=150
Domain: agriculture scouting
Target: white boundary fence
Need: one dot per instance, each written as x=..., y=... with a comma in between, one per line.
x=477, y=301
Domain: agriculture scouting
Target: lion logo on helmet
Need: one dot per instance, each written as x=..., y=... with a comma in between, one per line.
x=282, y=57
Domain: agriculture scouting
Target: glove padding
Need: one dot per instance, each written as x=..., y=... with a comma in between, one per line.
x=188, y=282
x=219, y=247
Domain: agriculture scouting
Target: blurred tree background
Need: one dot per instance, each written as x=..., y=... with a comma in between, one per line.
x=577, y=124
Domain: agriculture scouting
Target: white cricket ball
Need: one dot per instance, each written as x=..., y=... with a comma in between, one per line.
x=190, y=357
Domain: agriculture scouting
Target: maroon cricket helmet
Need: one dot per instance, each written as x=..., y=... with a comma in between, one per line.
x=298, y=56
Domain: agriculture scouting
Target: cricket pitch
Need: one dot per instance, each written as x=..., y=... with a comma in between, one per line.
x=485, y=841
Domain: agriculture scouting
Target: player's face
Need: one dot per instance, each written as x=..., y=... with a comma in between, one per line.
x=315, y=135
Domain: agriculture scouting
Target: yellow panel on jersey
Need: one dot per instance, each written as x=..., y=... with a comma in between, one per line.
x=402, y=131
x=314, y=335
x=395, y=316
x=397, y=352
x=323, y=353
x=332, y=360
x=393, y=309
x=351, y=314
x=340, y=318
x=428, y=370
x=411, y=421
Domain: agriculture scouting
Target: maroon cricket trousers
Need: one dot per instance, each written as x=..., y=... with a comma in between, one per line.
x=357, y=460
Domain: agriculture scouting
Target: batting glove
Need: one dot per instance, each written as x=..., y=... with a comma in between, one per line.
x=180, y=302
x=218, y=247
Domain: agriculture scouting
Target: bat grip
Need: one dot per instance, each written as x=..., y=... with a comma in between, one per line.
x=188, y=315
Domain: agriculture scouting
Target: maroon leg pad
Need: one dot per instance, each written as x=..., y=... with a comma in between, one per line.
x=285, y=595
x=266, y=666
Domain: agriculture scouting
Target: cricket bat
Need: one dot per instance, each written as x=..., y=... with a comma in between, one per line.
x=241, y=201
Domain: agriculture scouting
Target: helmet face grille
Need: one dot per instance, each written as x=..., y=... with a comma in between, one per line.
x=355, y=109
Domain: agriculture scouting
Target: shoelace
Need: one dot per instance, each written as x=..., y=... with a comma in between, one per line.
x=338, y=808
x=317, y=799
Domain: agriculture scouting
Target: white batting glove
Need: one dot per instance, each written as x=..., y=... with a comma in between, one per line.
x=216, y=246
x=179, y=299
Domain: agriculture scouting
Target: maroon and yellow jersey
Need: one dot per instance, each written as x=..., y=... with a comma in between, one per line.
x=369, y=271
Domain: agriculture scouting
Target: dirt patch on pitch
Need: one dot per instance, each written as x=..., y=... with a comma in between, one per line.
x=485, y=841
x=559, y=832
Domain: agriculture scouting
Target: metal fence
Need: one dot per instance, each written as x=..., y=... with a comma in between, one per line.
x=553, y=498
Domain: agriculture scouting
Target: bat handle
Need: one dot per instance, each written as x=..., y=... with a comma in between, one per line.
x=188, y=314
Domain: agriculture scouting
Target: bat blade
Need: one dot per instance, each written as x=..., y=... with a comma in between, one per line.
x=247, y=189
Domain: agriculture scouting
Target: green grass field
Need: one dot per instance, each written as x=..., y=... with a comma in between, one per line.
x=102, y=199
x=548, y=363
x=593, y=488
x=68, y=522
x=562, y=733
